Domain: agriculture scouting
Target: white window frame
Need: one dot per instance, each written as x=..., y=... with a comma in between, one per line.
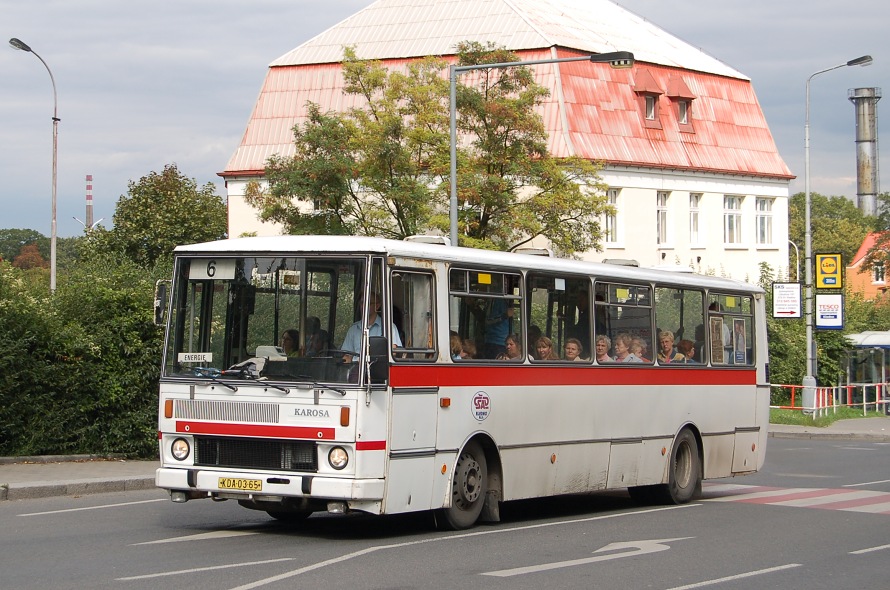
x=764, y=221
x=612, y=222
x=696, y=230
x=878, y=273
x=732, y=219
x=662, y=218
x=651, y=105
x=683, y=111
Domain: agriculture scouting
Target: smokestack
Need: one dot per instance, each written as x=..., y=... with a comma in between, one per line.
x=865, y=102
x=89, y=223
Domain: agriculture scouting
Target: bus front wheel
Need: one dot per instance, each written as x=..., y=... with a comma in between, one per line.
x=468, y=489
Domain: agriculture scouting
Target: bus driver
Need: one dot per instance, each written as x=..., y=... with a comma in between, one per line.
x=353, y=341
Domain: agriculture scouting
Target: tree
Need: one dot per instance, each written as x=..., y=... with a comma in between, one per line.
x=837, y=224
x=383, y=169
x=29, y=257
x=511, y=189
x=160, y=212
x=371, y=170
x=12, y=241
x=880, y=251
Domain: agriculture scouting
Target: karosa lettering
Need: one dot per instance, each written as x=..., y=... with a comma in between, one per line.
x=312, y=412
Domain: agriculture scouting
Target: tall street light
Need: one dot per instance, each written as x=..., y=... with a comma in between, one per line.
x=809, y=380
x=17, y=44
x=617, y=59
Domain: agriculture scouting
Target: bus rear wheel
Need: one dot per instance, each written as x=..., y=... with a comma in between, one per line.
x=468, y=489
x=685, y=469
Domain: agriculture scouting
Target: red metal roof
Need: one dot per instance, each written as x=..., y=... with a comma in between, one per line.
x=603, y=115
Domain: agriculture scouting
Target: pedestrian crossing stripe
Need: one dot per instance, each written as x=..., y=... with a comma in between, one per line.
x=825, y=498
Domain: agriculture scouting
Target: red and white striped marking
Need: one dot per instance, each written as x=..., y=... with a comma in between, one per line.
x=824, y=498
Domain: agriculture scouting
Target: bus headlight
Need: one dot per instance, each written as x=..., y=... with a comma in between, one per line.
x=180, y=449
x=338, y=458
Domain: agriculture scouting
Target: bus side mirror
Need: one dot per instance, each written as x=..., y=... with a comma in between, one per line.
x=378, y=347
x=161, y=302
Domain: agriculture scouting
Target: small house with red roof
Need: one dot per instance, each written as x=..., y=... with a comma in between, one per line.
x=868, y=279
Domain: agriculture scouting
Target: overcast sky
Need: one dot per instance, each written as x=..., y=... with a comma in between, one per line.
x=143, y=84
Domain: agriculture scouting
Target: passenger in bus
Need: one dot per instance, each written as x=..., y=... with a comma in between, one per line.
x=317, y=339
x=666, y=353
x=623, y=353
x=468, y=349
x=497, y=327
x=573, y=350
x=687, y=349
x=513, y=349
x=639, y=347
x=544, y=350
x=290, y=342
x=457, y=347
x=603, y=344
x=353, y=341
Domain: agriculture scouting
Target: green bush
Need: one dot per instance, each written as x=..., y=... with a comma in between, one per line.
x=79, y=370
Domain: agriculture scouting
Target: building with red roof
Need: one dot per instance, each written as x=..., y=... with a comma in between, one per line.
x=691, y=165
x=868, y=279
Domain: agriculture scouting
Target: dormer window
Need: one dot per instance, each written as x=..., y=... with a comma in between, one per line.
x=651, y=102
x=649, y=93
x=682, y=96
x=683, y=107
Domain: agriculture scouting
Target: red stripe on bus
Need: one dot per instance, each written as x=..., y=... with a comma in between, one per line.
x=188, y=427
x=370, y=445
x=542, y=375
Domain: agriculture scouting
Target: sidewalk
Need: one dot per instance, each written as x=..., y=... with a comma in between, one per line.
x=42, y=477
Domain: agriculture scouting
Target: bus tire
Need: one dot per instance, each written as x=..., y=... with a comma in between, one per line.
x=468, y=489
x=684, y=481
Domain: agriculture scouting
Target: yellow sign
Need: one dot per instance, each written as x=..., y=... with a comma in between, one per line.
x=829, y=271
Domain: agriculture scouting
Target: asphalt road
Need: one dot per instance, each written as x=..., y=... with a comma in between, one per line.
x=817, y=516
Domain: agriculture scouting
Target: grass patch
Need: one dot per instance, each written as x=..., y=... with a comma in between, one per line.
x=797, y=417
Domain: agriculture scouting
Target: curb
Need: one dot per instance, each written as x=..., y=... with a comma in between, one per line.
x=30, y=491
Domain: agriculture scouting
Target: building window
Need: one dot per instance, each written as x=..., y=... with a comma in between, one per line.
x=695, y=237
x=613, y=236
x=683, y=112
x=661, y=222
x=764, y=221
x=651, y=107
x=877, y=272
x=732, y=219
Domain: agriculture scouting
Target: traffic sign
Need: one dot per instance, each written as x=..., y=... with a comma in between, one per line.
x=786, y=300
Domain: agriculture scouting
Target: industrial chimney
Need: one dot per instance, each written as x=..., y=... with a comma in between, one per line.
x=865, y=101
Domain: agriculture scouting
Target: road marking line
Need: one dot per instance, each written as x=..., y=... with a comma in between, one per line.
x=94, y=507
x=203, y=569
x=870, y=550
x=868, y=483
x=201, y=537
x=737, y=577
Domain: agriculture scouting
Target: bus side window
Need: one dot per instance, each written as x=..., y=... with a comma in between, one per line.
x=413, y=313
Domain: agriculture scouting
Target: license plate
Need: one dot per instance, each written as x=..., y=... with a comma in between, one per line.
x=247, y=485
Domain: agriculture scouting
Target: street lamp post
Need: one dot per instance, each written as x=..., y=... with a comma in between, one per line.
x=17, y=44
x=617, y=59
x=809, y=380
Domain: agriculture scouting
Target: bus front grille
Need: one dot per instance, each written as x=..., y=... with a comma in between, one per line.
x=252, y=453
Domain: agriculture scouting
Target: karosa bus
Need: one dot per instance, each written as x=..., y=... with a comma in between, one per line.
x=405, y=424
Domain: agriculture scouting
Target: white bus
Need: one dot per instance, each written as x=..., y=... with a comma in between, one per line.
x=260, y=403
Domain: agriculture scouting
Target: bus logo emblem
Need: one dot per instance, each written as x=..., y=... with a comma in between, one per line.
x=481, y=406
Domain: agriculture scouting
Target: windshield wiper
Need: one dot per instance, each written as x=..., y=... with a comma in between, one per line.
x=318, y=385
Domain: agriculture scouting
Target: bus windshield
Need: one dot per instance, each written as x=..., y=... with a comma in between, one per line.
x=277, y=318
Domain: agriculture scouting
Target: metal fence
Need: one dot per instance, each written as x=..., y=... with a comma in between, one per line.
x=822, y=400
